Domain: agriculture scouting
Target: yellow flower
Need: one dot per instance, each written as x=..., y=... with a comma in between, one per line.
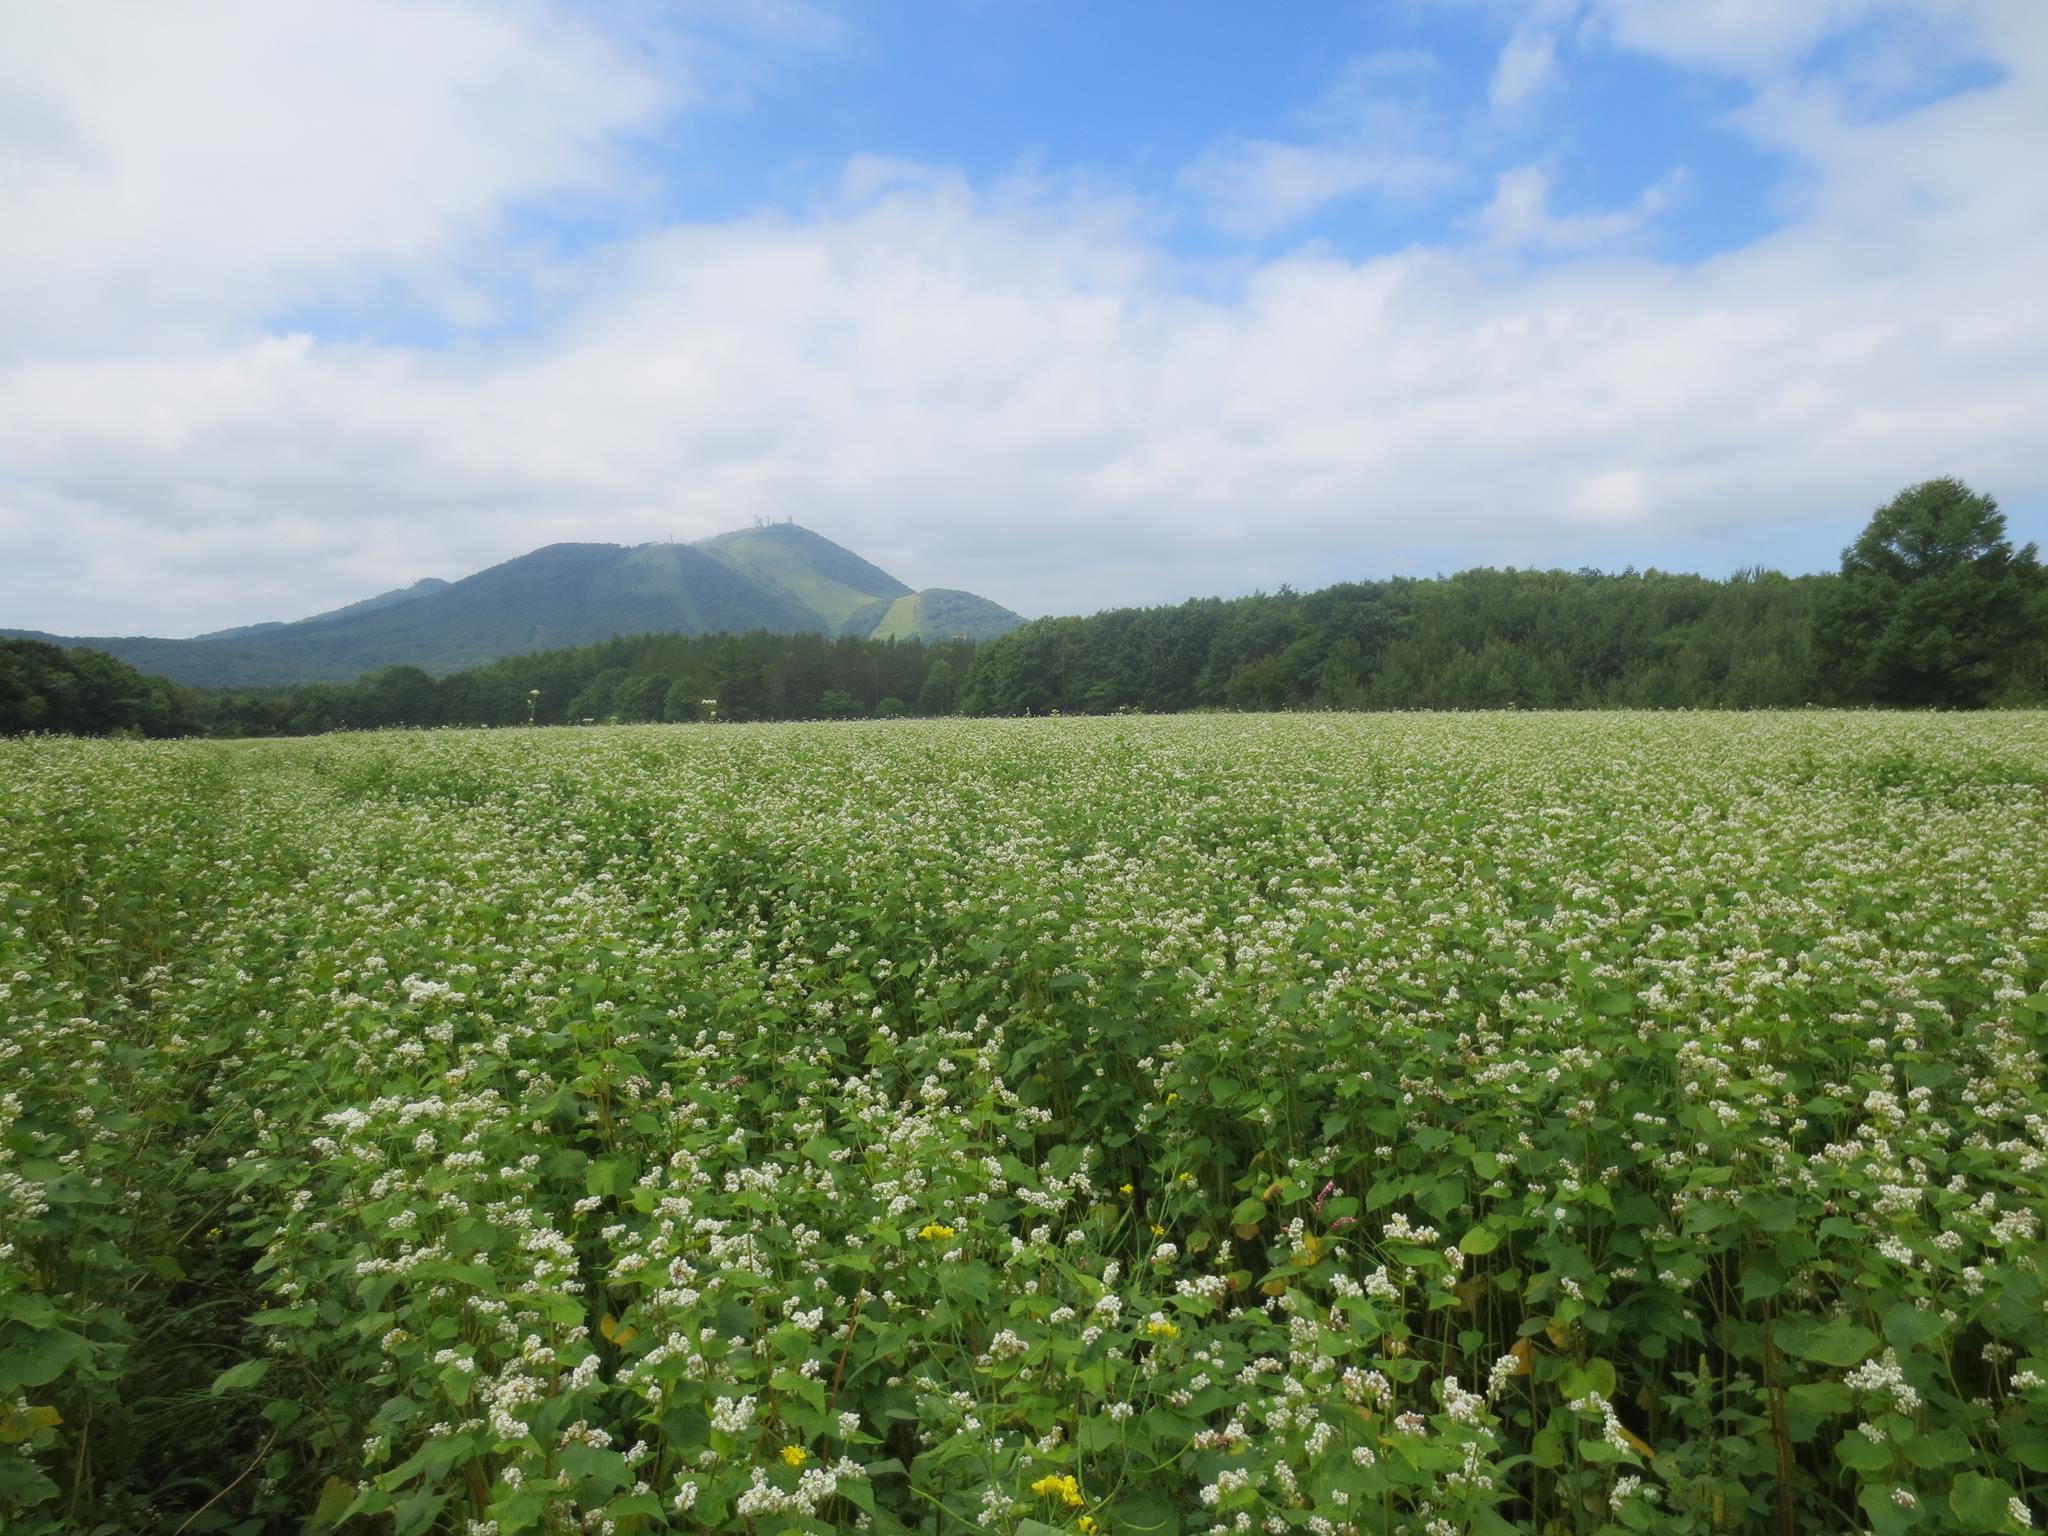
x=933, y=1231
x=1171, y=1097
x=794, y=1455
x=1066, y=1489
x=1160, y=1328
x=1127, y=1189
x=1086, y=1525
x=1158, y=1230
x=1187, y=1178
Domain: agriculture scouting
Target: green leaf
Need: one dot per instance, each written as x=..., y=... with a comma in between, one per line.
x=1840, y=1343
x=1761, y=1280
x=237, y=1377
x=1980, y=1502
x=336, y=1495
x=1144, y=1514
x=1856, y=1452
x=1813, y=1403
x=857, y=1491
x=1772, y=1213
x=1938, y=1448
x=517, y=1512
x=1886, y=1516
x=1479, y=1241
x=2033, y=1455
x=23, y=1485
x=613, y=1176
x=1906, y=1325
x=1594, y=1376
x=44, y=1356
x=415, y=1515
x=597, y=1470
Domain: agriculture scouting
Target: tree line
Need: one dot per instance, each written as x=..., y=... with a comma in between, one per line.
x=1932, y=606
x=754, y=676
x=83, y=692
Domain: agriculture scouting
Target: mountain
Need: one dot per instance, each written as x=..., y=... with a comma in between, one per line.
x=776, y=577
x=937, y=613
x=800, y=567
x=421, y=588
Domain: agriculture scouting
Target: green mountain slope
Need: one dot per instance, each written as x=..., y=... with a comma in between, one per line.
x=935, y=614
x=811, y=571
x=426, y=586
x=780, y=578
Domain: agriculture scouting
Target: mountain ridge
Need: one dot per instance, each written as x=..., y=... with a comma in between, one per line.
x=424, y=587
x=779, y=577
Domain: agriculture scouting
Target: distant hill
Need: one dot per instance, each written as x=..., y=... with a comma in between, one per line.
x=802, y=568
x=424, y=587
x=778, y=577
x=937, y=613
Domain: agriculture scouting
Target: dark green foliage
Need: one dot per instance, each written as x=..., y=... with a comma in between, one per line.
x=83, y=693
x=1934, y=606
x=949, y=613
x=939, y=692
x=682, y=701
x=755, y=676
x=1485, y=639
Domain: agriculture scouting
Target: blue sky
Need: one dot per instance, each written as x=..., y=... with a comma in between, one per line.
x=1073, y=304
x=1133, y=94
x=1128, y=98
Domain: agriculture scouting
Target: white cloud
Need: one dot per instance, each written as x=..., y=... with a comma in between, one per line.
x=1364, y=136
x=1527, y=63
x=1258, y=187
x=1520, y=215
x=1745, y=37
x=175, y=171
x=1020, y=391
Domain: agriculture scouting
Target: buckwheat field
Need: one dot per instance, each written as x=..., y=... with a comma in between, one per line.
x=1125, y=1127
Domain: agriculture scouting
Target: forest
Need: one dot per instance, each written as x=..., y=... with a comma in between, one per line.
x=82, y=692
x=754, y=676
x=1933, y=607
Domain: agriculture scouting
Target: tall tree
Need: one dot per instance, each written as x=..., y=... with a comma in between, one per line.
x=1933, y=601
x=937, y=695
